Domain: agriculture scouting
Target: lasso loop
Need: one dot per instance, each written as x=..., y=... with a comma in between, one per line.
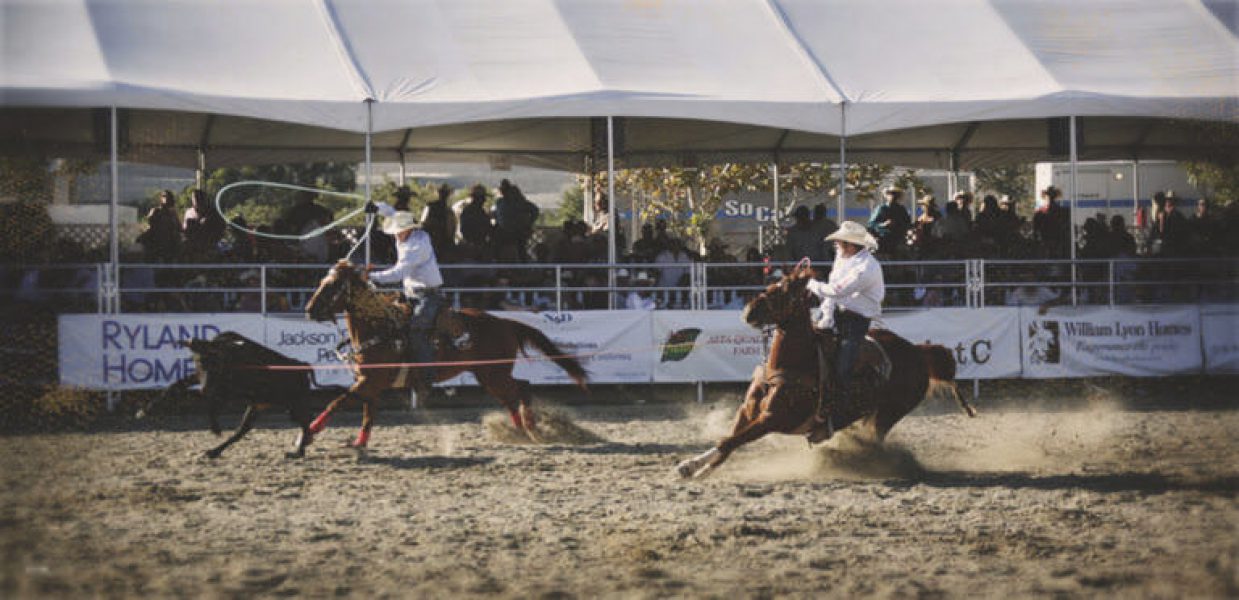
x=284, y=236
x=301, y=236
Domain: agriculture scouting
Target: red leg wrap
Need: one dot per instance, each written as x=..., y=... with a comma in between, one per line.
x=516, y=419
x=363, y=438
x=320, y=423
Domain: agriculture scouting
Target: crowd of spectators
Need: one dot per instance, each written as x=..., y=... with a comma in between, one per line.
x=514, y=265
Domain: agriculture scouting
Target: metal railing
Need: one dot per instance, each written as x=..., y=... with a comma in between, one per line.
x=285, y=288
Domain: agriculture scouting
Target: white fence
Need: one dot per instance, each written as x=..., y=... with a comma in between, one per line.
x=123, y=352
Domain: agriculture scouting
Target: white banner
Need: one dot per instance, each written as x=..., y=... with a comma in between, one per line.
x=1219, y=328
x=985, y=342
x=131, y=352
x=613, y=346
x=1134, y=341
x=692, y=346
x=312, y=342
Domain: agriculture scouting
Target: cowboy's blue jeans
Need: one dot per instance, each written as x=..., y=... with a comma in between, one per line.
x=426, y=306
x=852, y=329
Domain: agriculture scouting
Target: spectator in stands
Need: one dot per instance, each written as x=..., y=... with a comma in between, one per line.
x=890, y=222
x=571, y=247
x=1122, y=244
x=987, y=222
x=514, y=217
x=802, y=240
x=822, y=227
x=475, y=225
x=964, y=200
x=203, y=227
x=403, y=196
x=440, y=222
x=1170, y=229
x=641, y=298
x=308, y=216
x=1202, y=230
x=1008, y=225
x=161, y=242
x=602, y=216
x=1050, y=224
x=953, y=227
x=930, y=216
x=674, y=272
x=646, y=247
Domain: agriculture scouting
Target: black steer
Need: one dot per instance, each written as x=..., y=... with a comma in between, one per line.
x=232, y=366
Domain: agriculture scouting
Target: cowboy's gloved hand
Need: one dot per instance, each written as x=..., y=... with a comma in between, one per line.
x=371, y=208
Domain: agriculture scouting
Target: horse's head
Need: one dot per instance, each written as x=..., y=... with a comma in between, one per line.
x=781, y=301
x=334, y=292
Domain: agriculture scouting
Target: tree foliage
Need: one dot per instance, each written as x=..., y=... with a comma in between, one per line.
x=1016, y=181
x=1219, y=183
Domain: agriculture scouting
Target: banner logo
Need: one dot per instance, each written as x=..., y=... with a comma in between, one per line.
x=1043, y=343
x=679, y=344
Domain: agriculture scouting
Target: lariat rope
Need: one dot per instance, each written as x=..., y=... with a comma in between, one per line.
x=300, y=237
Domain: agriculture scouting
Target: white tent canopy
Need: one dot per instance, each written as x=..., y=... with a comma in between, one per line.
x=921, y=81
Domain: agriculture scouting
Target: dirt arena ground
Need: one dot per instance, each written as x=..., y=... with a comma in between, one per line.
x=1096, y=501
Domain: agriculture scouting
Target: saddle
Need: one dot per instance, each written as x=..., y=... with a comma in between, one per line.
x=872, y=368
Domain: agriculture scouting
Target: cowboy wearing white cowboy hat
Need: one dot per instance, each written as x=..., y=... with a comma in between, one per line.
x=418, y=270
x=851, y=299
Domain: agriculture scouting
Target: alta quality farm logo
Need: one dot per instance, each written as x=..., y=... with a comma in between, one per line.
x=1044, y=347
x=679, y=344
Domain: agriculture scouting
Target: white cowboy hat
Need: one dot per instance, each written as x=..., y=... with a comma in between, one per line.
x=853, y=233
x=398, y=222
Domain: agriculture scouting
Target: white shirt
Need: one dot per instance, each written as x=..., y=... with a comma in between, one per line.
x=416, y=266
x=855, y=284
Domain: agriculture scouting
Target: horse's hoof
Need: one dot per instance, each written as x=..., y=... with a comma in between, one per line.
x=211, y=454
x=294, y=454
x=685, y=469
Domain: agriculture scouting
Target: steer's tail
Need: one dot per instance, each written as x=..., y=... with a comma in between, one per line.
x=532, y=335
x=941, y=367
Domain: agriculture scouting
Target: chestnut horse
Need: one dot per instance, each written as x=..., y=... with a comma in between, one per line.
x=376, y=331
x=784, y=393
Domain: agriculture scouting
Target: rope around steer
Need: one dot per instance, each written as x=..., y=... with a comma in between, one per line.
x=301, y=236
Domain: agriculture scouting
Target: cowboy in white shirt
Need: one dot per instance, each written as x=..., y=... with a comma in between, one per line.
x=851, y=299
x=418, y=270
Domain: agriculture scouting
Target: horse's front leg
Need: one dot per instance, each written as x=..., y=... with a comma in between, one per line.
x=247, y=423
x=746, y=414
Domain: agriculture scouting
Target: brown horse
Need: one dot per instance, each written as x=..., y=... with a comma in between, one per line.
x=375, y=325
x=784, y=393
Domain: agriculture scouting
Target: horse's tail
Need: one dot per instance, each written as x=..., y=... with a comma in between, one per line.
x=941, y=366
x=526, y=334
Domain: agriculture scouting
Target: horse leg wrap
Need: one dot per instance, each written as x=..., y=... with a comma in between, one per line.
x=319, y=424
x=516, y=419
x=363, y=438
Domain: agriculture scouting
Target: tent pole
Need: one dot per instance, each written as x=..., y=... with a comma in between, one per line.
x=112, y=297
x=370, y=165
x=774, y=177
x=200, y=173
x=611, y=255
x=1071, y=208
x=403, y=173
x=113, y=217
x=843, y=163
x=1135, y=189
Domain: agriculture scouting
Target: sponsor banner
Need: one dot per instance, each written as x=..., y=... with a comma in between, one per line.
x=1134, y=341
x=694, y=346
x=1219, y=330
x=613, y=346
x=985, y=342
x=131, y=352
x=302, y=339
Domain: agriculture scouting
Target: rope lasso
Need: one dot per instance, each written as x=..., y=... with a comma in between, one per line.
x=301, y=236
